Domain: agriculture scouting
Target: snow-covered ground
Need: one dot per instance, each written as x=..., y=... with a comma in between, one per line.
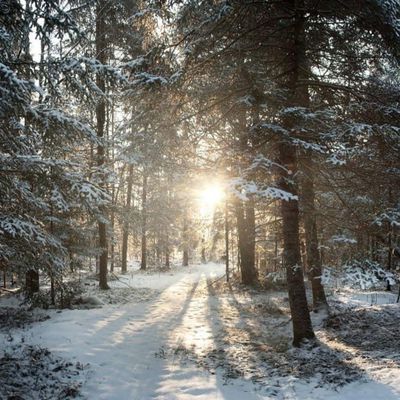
x=177, y=335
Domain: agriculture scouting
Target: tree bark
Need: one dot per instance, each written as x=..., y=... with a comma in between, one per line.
x=4, y=268
x=143, y=263
x=125, y=233
x=32, y=276
x=251, y=238
x=185, y=261
x=203, y=251
x=302, y=328
x=311, y=234
x=167, y=253
x=100, y=118
x=295, y=65
x=226, y=241
x=389, y=256
x=185, y=256
x=32, y=282
x=246, y=242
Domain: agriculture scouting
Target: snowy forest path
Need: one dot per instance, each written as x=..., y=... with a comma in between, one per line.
x=134, y=350
x=183, y=335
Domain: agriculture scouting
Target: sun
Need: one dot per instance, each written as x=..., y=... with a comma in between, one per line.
x=212, y=195
x=209, y=198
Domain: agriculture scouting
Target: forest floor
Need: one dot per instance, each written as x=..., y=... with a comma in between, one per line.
x=186, y=334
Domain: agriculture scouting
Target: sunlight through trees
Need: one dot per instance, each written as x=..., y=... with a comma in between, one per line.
x=259, y=137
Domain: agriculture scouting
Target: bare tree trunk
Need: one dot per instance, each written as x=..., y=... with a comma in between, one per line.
x=275, y=245
x=143, y=263
x=112, y=221
x=114, y=196
x=246, y=242
x=185, y=258
x=251, y=237
x=302, y=328
x=390, y=245
x=125, y=233
x=185, y=261
x=3, y=268
x=100, y=118
x=311, y=235
x=203, y=251
x=389, y=255
x=226, y=241
x=32, y=281
x=52, y=286
x=32, y=275
x=296, y=65
x=167, y=253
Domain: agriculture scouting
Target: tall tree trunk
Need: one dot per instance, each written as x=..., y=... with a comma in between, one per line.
x=185, y=256
x=112, y=239
x=203, y=251
x=389, y=255
x=296, y=65
x=276, y=243
x=226, y=215
x=51, y=273
x=302, y=328
x=311, y=234
x=100, y=118
x=246, y=242
x=245, y=214
x=313, y=256
x=4, y=276
x=110, y=119
x=32, y=281
x=390, y=244
x=251, y=237
x=32, y=275
x=143, y=263
x=185, y=260
x=125, y=233
x=167, y=252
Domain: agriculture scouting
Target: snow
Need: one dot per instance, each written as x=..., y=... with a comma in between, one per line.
x=160, y=342
x=362, y=274
x=242, y=188
x=370, y=298
x=343, y=239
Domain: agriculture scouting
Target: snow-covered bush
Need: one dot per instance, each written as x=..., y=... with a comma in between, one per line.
x=362, y=274
x=275, y=279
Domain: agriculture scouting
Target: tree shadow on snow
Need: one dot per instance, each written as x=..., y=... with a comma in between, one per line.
x=141, y=327
x=372, y=332
x=255, y=337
